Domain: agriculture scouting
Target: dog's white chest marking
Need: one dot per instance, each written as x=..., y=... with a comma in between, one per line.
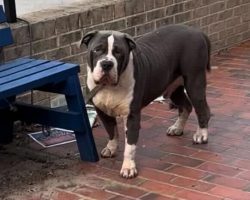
x=115, y=100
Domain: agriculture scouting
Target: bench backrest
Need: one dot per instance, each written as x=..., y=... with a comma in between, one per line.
x=5, y=31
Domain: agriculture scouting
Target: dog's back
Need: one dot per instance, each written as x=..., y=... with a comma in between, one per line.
x=165, y=54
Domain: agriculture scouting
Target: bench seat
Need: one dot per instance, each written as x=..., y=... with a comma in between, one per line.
x=25, y=74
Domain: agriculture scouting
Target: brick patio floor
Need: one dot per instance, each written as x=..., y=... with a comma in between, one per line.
x=172, y=167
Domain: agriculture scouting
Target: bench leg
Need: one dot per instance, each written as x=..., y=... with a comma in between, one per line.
x=84, y=138
x=6, y=122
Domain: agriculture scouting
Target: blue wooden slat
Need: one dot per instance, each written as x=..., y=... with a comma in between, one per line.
x=2, y=15
x=50, y=117
x=5, y=37
x=26, y=66
x=29, y=72
x=60, y=88
x=84, y=138
x=55, y=75
x=15, y=63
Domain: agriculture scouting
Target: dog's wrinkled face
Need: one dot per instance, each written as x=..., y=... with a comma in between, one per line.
x=108, y=55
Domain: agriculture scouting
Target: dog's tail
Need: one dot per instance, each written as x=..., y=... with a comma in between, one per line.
x=208, y=43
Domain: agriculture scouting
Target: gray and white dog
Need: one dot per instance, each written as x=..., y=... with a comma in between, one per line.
x=135, y=73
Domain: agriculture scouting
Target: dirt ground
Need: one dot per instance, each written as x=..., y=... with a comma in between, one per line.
x=25, y=169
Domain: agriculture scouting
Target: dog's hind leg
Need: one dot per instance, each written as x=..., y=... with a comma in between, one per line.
x=195, y=85
x=179, y=98
x=110, y=125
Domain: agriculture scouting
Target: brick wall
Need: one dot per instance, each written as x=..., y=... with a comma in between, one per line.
x=54, y=33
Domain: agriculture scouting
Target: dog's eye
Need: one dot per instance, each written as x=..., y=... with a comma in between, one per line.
x=97, y=50
x=117, y=51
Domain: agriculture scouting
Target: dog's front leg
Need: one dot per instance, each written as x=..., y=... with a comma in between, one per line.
x=132, y=127
x=110, y=125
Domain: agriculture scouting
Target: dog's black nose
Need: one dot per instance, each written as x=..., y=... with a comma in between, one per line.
x=107, y=65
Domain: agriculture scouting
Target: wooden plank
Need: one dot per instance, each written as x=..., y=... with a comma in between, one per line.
x=14, y=63
x=84, y=138
x=50, y=117
x=52, y=75
x=30, y=72
x=20, y=68
x=60, y=88
x=6, y=37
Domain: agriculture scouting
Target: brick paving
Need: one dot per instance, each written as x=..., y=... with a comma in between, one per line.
x=172, y=167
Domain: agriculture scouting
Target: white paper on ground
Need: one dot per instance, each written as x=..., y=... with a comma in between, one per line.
x=58, y=136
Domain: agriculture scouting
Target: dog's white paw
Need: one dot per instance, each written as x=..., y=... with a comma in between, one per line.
x=107, y=153
x=128, y=169
x=178, y=127
x=175, y=130
x=201, y=136
x=110, y=150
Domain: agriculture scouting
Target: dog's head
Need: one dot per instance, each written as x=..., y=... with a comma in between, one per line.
x=108, y=55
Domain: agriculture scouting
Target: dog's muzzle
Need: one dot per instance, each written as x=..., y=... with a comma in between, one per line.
x=106, y=65
x=105, y=72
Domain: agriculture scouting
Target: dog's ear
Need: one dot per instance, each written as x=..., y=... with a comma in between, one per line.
x=131, y=41
x=87, y=37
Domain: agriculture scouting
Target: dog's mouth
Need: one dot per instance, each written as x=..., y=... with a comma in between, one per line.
x=106, y=79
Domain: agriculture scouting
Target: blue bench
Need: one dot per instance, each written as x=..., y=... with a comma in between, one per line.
x=24, y=74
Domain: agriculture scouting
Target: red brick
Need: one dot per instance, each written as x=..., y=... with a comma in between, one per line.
x=174, y=141
x=182, y=160
x=153, y=196
x=121, y=198
x=156, y=175
x=230, y=193
x=187, y=172
x=210, y=147
x=214, y=157
x=160, y=188
x=244, y=164
x=245, y=175
x=63, y=195
x=220, y=169
x=192, y=195
x=245, y=115
x=93, y=193
x=125, y=190
x=192, y=184
x=144, y=161
x=178, y=149
x=228, y=181
x=151, y=152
